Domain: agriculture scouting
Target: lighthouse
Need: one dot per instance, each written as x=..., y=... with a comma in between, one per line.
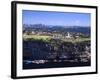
x=68, y=35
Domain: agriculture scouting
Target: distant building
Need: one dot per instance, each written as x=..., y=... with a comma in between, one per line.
x=69, y=35
x=33, y=32
x=60, y=36
x=57, y=36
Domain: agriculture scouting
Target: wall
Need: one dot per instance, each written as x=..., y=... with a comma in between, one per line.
x=5, y=40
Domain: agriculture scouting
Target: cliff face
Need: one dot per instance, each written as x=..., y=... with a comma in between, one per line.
x=39, y=50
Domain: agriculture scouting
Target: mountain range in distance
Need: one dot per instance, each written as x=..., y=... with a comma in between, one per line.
x=50, y=26
x=42, y=27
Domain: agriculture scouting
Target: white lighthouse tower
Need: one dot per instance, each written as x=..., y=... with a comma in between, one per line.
x=68, y=35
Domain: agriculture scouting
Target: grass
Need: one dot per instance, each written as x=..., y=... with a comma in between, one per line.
x=76, y=40
x=48, y=38
x=37, y=37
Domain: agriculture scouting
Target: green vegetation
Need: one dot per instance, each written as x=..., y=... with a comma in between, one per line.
x=46, y=38
x=73, y=40
x=37, y=37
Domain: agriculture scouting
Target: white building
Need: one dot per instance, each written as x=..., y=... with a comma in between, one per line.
x=60, y=36
x=69, y=35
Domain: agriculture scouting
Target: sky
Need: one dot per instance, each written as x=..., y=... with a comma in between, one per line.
x=56, y=18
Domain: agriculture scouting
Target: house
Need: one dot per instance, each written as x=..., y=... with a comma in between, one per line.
x=61, y=36
x=57, y=36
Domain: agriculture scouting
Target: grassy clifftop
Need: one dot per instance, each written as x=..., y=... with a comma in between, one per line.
x=46, y=38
